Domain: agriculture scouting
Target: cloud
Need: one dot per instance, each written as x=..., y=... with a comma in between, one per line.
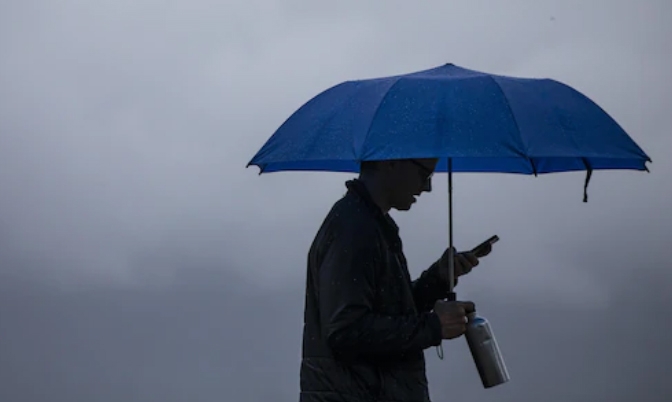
x=214, y=335
x=139, y=259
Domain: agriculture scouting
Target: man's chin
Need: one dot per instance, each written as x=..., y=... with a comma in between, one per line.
x=406, y=206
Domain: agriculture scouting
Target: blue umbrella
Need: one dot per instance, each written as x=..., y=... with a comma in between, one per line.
x=472, y=121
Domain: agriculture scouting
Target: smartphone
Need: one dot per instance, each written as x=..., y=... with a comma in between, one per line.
x=480, y=249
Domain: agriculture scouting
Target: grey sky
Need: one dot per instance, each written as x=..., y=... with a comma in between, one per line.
x=140, y=260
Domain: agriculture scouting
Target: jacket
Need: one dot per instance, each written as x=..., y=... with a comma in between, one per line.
x=366, y=323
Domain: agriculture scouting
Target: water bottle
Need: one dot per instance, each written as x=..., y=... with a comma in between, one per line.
x=484, y=350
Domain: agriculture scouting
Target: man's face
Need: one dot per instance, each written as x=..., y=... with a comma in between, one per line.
x=409, y=178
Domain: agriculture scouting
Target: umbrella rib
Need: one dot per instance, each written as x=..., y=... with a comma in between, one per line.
x=373, y=118
x=515, y=120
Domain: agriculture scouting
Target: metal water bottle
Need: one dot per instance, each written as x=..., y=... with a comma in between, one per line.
x=484, y=350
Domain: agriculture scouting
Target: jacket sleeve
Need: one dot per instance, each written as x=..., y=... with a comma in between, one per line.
x=347, y=282
x=429, y=288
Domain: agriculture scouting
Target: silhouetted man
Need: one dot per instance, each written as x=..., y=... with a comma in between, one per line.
x=367, y=323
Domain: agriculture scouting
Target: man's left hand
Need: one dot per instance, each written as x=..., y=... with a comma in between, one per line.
x=464, y=262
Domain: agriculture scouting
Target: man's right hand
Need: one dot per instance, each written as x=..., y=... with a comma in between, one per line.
x=453, y=317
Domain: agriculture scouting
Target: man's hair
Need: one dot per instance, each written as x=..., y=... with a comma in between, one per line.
x=367, y=166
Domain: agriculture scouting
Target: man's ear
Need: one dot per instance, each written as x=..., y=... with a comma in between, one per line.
x=390, y=165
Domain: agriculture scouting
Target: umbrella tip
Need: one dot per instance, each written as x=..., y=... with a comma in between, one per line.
x=589, y=173
x=261, y=168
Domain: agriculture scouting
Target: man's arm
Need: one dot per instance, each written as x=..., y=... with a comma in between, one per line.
x=347, y=283
x=429, y=288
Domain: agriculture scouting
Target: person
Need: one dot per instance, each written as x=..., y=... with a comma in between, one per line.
x=366, y=323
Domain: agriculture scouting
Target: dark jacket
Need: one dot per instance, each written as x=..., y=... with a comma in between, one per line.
x=366, y=322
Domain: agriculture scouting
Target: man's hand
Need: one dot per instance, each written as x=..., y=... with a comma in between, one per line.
x=453, y=317
x=464, y=263
x=482, y=250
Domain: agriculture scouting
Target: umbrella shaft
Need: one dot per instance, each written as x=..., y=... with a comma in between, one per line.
x=451, y=260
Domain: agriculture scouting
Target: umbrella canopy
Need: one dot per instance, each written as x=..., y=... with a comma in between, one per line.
x=480, y=122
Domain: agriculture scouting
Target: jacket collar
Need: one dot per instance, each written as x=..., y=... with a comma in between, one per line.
x=357, y=188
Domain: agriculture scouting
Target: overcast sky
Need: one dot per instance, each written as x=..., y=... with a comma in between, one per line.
x=140, y=260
